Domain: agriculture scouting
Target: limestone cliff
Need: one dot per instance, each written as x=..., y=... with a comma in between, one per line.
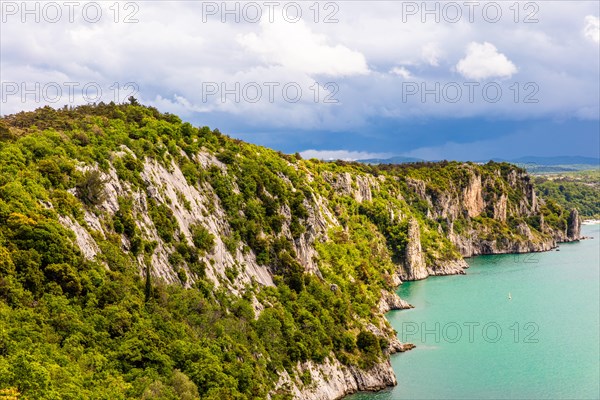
x=573, y=225
x=479, y=211
x=414, y=261
x=391, y=301
x=332, y=380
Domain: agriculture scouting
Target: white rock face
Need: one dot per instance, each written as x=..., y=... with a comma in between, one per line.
x=189, y=207
x=358, y=188
x=83, y=239
x=573, y=225
x=332, y=380
x=414, y=262
x=93, y=222
x=485, y=197
x=472, y=197
x=448, y=267
x=391, y=301
x=500, y=208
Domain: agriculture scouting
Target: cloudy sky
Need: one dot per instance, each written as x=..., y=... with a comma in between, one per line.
x=344, y=79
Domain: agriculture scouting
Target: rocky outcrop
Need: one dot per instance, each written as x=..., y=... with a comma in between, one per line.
x=573, y=225
x=500, y=208
x=391, y=301
x=414, y=267
x=471, y=244
x=331, y=380
x=319, y=220
x=363, y=189
x=189, y=205
x=448, y=267
x=83, y=239
x=477, y=196
x=358, y=187
x=418, y=186
x=473, y=198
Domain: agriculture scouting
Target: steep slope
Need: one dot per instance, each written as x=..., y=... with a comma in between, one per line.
x=147, y=258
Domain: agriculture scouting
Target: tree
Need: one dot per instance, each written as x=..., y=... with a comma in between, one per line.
x=367, y=342
x=6, y=263
x=65, y=276
x=202, y=238
x=90, y=188
x=148, y=286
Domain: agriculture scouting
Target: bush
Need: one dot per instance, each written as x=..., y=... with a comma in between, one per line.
x=202, y=238
x=90, y=188
x=6, y=263
x=163, y=220
x=367, y=342
x=65, y=276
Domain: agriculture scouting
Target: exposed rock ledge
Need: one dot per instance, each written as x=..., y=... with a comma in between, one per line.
x=449, y=267
x=391, y=301
x=332, y=380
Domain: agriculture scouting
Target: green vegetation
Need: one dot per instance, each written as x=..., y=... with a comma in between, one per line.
x=89, y=189
x=579, y=190
x=202, y=238
x=72, y=327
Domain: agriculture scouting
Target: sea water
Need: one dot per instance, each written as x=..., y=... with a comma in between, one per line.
x=515, y=327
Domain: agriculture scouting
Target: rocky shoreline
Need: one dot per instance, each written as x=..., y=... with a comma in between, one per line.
x=391, y=301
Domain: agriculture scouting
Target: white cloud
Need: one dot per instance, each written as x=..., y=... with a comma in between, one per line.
x=401, y=71
x=431, y=53
x=345, y=155
x=484, y=61
x=296, y=47
x=592, y=28
x=170, y=55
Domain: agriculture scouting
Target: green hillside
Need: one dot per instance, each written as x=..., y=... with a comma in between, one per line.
x=114, y=285
x=573, y=189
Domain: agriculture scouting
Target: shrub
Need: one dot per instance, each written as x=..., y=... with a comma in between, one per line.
x=65, y=276
x=202, y=238
x=163, y=220
x=90, y=188
x=367, y=342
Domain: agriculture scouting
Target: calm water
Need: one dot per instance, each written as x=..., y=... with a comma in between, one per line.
x=543, y=343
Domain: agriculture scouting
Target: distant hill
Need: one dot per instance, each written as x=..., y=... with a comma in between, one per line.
x=533, y=164
x=579, y=189
x=546, y=165
x=391, y=160
x=558, y=160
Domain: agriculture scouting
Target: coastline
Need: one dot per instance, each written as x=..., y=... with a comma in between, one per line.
x=406, y=305
x=590, y=222
x=551, y=271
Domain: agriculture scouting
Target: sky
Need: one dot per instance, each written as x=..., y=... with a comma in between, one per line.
x=466, y=80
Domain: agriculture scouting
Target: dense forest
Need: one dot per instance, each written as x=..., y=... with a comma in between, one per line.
x=579, y=189
x=107, y=292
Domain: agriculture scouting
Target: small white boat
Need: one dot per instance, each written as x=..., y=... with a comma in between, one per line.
x=509, y=296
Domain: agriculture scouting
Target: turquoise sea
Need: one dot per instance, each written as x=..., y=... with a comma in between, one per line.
x=474, y=342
